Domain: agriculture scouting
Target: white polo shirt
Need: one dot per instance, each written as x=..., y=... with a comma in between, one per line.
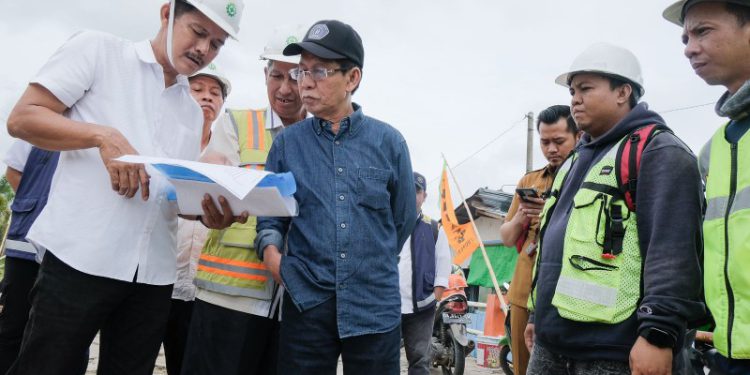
x=106, y=80
x=17, y=155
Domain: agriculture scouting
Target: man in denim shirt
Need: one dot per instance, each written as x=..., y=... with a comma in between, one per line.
x=357, y=207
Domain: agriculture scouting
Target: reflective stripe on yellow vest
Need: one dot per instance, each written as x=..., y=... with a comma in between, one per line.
x=228, y=263
x=726, y=230
x=593, y=287
x=253, y=137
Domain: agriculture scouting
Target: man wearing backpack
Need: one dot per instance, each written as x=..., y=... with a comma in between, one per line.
x=716, y=34
x=424, y=267
x=617, y=275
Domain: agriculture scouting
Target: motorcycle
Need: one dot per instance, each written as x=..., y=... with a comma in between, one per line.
x=506, y=356
x=450, y=344
x=702, y=353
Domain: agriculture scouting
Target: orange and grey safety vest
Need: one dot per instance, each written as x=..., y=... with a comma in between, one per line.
x=228, y=263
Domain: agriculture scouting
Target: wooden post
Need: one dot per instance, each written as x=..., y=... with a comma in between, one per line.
x=503, y=305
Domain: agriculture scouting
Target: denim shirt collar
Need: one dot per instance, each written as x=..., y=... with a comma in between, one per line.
x=352, y=123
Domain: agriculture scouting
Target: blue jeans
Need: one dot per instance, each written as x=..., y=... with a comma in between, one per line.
x=310, y=344
x=726, y=366
x=544, y=362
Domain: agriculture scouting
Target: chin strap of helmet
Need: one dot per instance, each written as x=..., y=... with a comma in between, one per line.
x=170, y=33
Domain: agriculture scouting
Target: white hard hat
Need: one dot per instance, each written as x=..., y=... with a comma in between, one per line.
x=282, y=37
x=606, y=59
x=675, y=13
x=213, y=71
x=225, y=13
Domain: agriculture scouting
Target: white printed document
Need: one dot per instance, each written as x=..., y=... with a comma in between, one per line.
x=260, y=193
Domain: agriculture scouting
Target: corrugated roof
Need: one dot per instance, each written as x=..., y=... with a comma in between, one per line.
x=485, y=202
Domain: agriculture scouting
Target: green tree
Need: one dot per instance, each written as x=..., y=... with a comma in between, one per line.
x=6, y=197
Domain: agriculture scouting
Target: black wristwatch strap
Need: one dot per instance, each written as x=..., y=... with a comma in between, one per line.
x=659, y=337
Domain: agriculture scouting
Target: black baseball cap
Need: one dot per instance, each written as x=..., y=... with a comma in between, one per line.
x=419, y=181
x=330, y=39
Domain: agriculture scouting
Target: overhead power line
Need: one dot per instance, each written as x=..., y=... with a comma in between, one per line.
x=513, y=125
x=686, y=108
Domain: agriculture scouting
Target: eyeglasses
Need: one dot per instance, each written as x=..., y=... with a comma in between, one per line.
x=317, y=74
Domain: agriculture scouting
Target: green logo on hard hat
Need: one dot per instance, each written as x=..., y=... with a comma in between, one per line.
x=231, y=9
x=291, y=39
x=212, y=66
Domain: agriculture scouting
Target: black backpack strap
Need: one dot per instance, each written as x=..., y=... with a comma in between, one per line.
x=628, y=160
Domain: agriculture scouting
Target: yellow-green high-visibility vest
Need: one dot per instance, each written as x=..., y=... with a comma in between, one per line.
x=726, y=231
x=228, y=263
x=601, y=264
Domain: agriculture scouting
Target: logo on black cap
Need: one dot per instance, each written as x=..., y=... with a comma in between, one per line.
x=318, y=32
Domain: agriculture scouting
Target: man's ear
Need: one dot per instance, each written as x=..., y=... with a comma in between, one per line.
x=623, y=93
x=354, y=77
x=164, y=15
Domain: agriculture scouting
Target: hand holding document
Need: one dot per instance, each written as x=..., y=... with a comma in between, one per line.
x=260, y=193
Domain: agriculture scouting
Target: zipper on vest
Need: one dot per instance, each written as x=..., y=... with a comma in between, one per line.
x=730, y=293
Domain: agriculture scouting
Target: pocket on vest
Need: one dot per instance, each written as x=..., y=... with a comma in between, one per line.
x=591, y=287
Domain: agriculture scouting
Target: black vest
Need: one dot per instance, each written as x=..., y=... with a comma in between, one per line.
x=423, y=240
x=31, y=197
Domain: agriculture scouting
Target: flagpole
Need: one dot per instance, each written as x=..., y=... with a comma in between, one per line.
x=503, y=305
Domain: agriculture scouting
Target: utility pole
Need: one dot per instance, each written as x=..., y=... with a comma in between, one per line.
x=530, y=142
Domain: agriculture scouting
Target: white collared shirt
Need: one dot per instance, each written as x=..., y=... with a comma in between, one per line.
x=110, y=81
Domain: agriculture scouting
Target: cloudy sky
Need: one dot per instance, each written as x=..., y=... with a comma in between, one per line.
x=450, y=75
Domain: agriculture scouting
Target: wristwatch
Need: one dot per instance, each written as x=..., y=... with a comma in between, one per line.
x=659, y=337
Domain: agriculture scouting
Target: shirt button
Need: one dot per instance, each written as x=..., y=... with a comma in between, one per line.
x=341, y=197
x=343, y=255
x=337, y=143
x=343, y=225
x=342, y=286
x=340, y=170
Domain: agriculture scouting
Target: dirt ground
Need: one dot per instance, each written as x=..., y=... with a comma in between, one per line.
x=160, y=369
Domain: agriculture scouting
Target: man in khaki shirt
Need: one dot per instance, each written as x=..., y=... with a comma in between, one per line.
x=558, y=135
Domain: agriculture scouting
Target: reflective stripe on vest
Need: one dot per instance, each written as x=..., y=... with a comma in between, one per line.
x=228, y=263
x=727, y=243
x=426, y=302
x=593, y=287
x=549, y=204
x=21, y=246
x=253, y=137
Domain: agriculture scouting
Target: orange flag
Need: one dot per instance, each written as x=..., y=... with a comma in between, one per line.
x=462, y=238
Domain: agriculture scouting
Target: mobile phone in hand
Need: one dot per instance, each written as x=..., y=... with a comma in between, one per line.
x=526, y=193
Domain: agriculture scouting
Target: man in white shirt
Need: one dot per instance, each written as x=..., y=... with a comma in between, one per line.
x=424, y=267
x=110, y=263
x=234, y=328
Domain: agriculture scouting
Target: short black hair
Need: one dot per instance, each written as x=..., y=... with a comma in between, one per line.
x=181, y=7
x=346, y=65
x=615, y=82
x=553, y=114
x=740, y=12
